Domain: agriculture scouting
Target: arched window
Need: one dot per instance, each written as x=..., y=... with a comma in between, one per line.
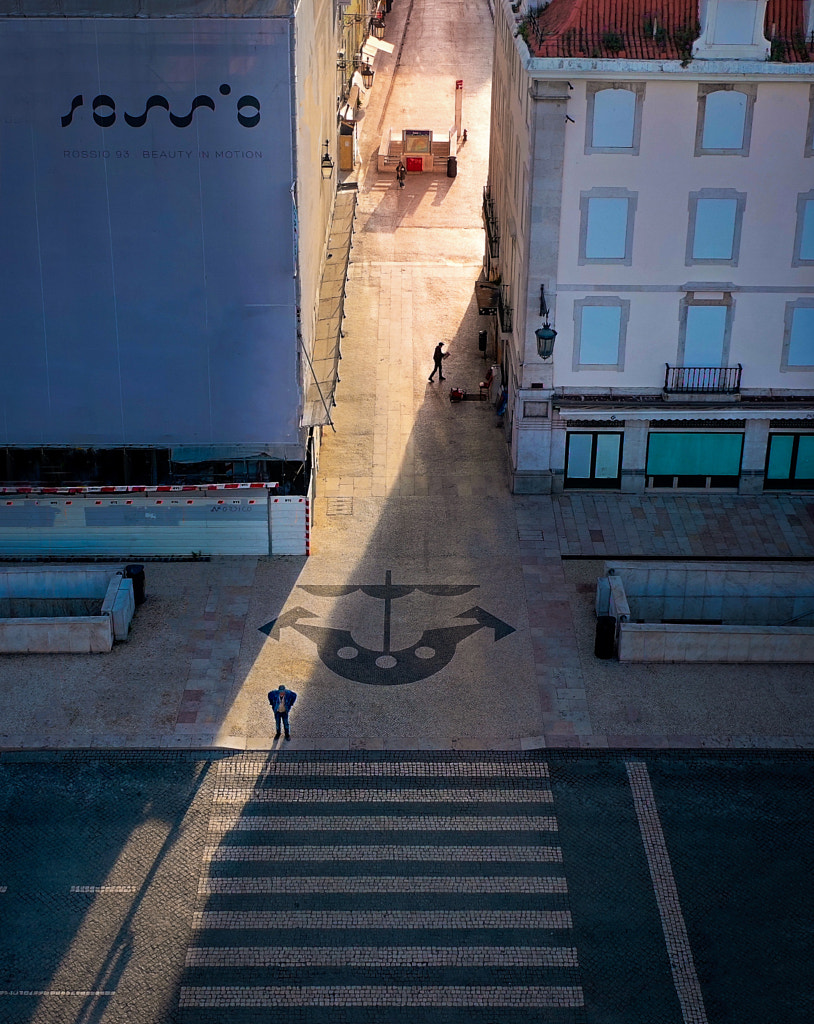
x=724, y=120
x=614, y=118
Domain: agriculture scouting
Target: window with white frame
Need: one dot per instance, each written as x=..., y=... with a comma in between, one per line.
x=704, y=334
x=606, y=226
x=798, y=337
x=613, y=121
x=715, y=222
x=735, y=21
x=600, y=328
x=732, y=30
x=724, y=125
x=804, y=233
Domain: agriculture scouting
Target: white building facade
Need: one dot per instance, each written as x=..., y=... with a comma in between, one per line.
x=657, y=183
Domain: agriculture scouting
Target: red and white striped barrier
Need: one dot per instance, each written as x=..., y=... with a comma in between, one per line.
x=133, y=489
x=221, y=520
x=290, y=523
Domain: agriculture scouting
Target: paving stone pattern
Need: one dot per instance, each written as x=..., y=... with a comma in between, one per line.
x=424, y=889
x=688, y=526
x=98, y=860
x=213, y=649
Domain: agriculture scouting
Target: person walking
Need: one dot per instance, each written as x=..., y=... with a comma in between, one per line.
x=401, y=173
x=282, y=701
x=438, y=357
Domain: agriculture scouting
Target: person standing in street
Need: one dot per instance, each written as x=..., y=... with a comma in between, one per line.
x=438, y=357
x=282, y=701
x=401, y=174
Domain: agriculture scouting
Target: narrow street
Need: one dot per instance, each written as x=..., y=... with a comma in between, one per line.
x=412, y=488
x=417, y=253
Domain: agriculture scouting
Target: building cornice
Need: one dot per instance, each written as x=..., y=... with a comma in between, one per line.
x=695, y=71
x=653, y=407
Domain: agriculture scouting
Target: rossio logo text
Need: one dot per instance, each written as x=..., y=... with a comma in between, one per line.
x=104, y=110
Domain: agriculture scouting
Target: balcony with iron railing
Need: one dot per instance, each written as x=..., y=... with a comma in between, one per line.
x=504, y=309
x=702, y=380
x=490, y=223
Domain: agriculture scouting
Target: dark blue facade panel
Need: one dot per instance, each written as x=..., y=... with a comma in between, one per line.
x=148, y=292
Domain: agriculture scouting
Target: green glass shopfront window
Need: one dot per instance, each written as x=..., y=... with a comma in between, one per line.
x=804, y=470
x=780, y=451
x=579, y=455
x=791, y=459
x=607, y=456
x=694, y=454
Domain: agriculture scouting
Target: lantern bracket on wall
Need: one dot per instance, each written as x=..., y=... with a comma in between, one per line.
x=545, y=334
x=327, y=163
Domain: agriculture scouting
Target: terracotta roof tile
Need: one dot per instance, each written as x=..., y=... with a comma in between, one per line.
x=785, y=27
x=648, y=29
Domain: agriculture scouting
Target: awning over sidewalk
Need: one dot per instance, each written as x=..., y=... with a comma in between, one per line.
x=324, y=362
x=659, y=412
x=348, y=111
x=371, y=47
x=379, y=44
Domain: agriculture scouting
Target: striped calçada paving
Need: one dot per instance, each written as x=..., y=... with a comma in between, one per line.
x=386, y=888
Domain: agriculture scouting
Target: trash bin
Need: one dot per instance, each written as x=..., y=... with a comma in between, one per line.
x=481, y=341
x=452, y=167
x=605, y=636
x=136, y=574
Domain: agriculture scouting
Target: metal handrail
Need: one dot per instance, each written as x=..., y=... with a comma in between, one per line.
x=712, y=380
x=490, y=220
x=505, y=311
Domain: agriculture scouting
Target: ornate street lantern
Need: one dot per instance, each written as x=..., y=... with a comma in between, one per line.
x=545, y=334
x=327, y=163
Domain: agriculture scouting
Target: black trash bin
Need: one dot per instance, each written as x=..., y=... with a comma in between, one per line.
x=136, y=574
x=452, y=167
x=605, y=641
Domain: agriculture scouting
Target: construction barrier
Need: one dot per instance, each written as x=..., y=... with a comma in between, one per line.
x=290, y=526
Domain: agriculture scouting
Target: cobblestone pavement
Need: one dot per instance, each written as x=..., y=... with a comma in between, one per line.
x=435, y=888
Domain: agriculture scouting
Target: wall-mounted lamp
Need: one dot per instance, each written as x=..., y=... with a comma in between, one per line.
x=367, y=74
x=545, y=334
x=327, y=163
x=377, y=26
x=343, y=62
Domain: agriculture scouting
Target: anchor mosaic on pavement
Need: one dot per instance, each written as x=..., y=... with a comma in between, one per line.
x=386, y=666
